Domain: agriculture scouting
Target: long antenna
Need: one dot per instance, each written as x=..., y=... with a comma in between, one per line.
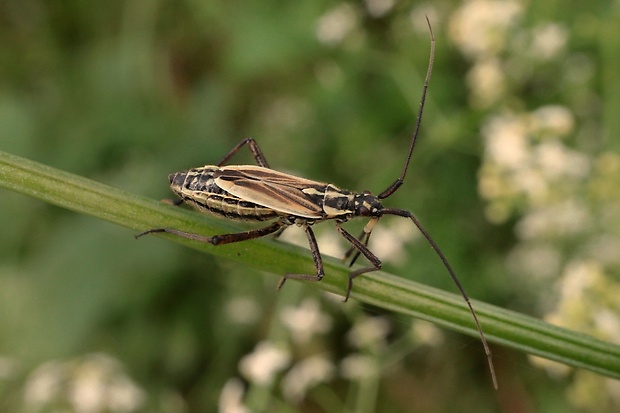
x=444, y=260
x=398, y=182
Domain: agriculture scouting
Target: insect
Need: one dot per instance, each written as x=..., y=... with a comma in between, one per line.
x=259, y=193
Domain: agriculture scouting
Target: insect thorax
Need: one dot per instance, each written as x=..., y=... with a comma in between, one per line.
x=367, y=205
x=197, y=187
x=342, y=204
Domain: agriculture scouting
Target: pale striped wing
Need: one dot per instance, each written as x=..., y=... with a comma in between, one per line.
x=272, y=189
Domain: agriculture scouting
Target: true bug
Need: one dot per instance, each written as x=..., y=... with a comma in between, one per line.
x=259, y=193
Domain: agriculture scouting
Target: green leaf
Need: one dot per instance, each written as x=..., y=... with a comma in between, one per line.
x=378, y=288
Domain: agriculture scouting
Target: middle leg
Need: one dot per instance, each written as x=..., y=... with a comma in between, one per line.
x=316, y=256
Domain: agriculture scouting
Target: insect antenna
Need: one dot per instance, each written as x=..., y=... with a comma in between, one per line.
x=444, y=260
x=399, y=181
x=365, y=235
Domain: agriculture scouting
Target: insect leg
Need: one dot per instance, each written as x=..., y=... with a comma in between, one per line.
x=316, y=256
x=364, y=237
x=359, y=245
x=279, y=232
x=256, y=151
x=221, y=239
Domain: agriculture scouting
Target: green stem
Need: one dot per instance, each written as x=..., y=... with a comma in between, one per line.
x=379, y=288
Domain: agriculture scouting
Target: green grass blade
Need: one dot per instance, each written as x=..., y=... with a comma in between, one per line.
x=379, y=288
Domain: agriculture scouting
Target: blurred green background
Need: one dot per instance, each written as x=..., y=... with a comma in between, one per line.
x=515, y=175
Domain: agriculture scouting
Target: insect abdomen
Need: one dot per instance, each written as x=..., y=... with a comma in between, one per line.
x=232, y=207
x=197, y=188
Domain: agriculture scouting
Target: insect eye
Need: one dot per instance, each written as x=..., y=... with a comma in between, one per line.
x=363, y=210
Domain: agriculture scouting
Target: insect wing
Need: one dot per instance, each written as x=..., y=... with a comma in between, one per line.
x=272, y=189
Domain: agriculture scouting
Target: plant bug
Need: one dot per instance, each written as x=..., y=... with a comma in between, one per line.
x=259, y=193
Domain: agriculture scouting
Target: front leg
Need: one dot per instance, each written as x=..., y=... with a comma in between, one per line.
x=363, y=238
x=362, y=248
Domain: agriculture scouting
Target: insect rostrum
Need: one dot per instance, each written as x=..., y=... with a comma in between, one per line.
x=259, y=193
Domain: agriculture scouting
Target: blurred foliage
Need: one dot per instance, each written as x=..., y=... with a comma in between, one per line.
x=125, y=92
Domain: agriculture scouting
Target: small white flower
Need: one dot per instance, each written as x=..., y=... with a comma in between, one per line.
x=90, y=384
x=359, y=367
x=98, y=384
x=530, y=181
x=330, y=243
x=559, y=162
x=549, y=40
x=379, y=8
x=607, y=323
x=577, y=278
x=124, y=396
x=480, y=28
x=231, y=398
x=264, y=363
x=566, y=218
x=538, y=260
x=388, y=241
x=336, y=24
x=305, y=375
x=554, y=120
x=306, y=320
x=426, y=333
x=44, y=384
x=369, y=332
x=487, y=82
x=506, y=141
